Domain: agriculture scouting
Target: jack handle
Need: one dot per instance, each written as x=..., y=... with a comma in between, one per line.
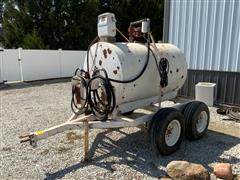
x=30, y=138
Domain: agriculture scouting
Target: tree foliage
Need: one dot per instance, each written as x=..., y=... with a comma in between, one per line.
x=32, y=41
x=70, y=24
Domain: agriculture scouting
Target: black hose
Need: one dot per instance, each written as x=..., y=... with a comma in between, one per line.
x=94, y=100
x=140, y=74
x=163, y=69
x=158, y=67
x=78, y=110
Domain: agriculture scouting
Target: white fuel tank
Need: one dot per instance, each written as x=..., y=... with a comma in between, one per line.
x=124, y=61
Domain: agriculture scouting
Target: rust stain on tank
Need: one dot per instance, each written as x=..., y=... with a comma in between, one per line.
x=109, y=51
x=115, y=71
x=105, y=53
x=100, y=62
x=118, y=67
x=173, y=56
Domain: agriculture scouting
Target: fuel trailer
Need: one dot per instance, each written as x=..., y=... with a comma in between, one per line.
x=120, y=77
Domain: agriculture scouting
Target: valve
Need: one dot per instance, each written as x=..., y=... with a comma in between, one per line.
x=138, y=28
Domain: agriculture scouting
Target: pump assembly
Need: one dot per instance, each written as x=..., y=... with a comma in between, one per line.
x=120, y=77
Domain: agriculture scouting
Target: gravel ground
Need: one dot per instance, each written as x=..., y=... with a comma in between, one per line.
x=120, y=154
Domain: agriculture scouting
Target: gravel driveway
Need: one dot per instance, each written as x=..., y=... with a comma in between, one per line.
x=118, y=154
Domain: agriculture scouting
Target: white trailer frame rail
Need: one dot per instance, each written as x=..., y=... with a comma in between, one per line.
x=85, y=123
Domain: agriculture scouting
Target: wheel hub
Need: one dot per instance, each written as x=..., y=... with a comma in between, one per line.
x=172, y=133
x=202, y=121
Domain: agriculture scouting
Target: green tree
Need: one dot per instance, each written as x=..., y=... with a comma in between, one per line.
x=60, y=24
x=1, y=12
x=71, y=24
x=32, y=41
x=127, y=11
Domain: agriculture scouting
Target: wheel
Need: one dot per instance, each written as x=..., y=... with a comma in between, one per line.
x=166, y=130
x=197, y=119
x=127, y=113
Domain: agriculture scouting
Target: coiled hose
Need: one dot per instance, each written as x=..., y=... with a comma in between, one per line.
x=101, y=96
x=233, y=113
x=78, y=103
x=98, y=94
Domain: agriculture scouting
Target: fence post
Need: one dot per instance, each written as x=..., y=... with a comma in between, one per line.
x=1, y=66
x=20, y=63
x=60, y=61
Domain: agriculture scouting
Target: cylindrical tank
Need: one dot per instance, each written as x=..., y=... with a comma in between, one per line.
x=124, y=61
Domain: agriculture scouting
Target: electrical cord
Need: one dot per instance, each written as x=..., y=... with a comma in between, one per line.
x=124, y=81
x=140, y=74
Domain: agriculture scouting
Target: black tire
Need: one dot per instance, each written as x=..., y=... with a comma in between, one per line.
x=127, y=113
x=181, y=107
x=158, y=127
x=150, y=123
x=191, y=114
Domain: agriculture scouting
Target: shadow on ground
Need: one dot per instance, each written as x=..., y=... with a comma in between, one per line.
x=27, y=84
x=133, y=150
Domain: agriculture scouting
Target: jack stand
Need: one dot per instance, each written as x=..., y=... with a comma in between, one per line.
x=86, y=142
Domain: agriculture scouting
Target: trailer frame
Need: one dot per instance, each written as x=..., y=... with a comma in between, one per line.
x=87, y=122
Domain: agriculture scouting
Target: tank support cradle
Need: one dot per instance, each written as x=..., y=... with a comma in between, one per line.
x=85, y=123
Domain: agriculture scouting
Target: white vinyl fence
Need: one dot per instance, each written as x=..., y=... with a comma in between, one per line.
x=28, y=65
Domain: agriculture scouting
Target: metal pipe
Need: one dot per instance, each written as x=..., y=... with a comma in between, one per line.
x=139, y=21
x=166, y=21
